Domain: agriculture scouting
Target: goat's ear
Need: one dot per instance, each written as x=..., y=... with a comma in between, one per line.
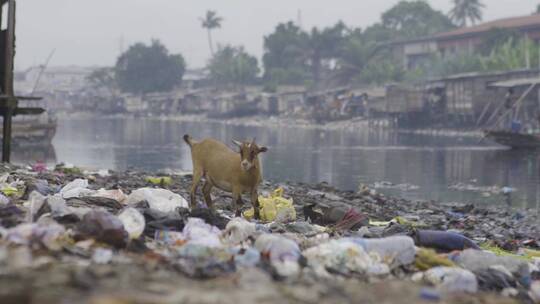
x=236, y=142
x=263, y=149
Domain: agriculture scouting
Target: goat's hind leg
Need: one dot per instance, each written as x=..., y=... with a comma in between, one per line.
x=207, y=189
x=197, y=175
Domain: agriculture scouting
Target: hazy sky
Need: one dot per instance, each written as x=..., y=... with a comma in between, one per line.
x=85, y=32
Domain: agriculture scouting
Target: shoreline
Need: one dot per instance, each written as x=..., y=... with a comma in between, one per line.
x=349, y=125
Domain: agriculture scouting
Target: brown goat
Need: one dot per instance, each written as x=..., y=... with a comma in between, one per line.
x=234, y=172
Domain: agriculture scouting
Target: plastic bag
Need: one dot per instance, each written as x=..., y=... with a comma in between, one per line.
x=76, y=188
x=274, y=208
x=158, y=199
x=159, y=180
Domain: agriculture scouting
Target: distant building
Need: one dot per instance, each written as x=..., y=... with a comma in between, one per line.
x=412, y=53
x=66, y=79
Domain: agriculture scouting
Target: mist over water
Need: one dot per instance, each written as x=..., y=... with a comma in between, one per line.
x=343, y=159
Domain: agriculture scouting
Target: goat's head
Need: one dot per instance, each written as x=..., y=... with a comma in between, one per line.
x=248, y=153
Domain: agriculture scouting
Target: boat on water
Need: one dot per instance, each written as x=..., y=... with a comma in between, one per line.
x=513, y=139
x=34, y=130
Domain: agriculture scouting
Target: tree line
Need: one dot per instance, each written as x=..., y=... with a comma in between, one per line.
x=334, y=55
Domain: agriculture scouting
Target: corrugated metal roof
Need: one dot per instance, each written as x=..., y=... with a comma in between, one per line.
x=521, y=22
x=511, y=23
x=515, y=83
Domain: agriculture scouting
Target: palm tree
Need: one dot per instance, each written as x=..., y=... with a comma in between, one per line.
x=209, y=22
x=466, y=11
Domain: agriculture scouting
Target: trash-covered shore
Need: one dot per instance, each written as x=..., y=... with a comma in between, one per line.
x=75, y=236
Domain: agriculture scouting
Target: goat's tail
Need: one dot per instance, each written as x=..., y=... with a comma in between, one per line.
x=188, y=140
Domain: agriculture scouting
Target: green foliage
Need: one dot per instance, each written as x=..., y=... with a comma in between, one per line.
x=284, y=55
x=466, y=12
x=145, y=69
x=381, y=71
x=411, y=19
x=510, y=55
x=497, y=37
x=233, y=66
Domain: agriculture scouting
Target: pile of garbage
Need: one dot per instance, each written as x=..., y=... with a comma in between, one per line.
x=68, y=233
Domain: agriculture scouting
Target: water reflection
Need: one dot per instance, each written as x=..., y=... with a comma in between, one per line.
x=342, y=159
x=33, y=153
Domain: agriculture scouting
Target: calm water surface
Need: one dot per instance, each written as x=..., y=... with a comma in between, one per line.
x=339, y=158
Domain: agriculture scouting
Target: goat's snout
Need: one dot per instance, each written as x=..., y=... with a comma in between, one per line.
x=245, y=165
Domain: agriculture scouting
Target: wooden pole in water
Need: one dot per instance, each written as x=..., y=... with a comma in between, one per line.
x=10, y=102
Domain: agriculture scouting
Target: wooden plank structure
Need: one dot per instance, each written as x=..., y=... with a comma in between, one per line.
x=9, y=103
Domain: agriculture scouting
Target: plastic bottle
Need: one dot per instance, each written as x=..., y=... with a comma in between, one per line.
x=443, y=240
x=399, y=249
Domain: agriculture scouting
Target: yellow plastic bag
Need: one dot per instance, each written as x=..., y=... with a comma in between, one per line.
x=274, y=208
x=159, y=180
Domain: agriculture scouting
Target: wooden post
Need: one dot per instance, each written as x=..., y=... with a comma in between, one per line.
x=6, y=140
x=9, y=101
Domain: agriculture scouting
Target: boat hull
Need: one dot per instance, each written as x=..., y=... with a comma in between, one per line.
x=514, y=140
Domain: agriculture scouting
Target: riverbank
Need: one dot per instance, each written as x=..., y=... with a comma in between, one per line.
x=347, y=125
x=70, y=245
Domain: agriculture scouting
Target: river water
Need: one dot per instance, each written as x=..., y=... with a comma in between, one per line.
x=343, y=159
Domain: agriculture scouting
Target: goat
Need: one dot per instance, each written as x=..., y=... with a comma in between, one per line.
x=233, y=172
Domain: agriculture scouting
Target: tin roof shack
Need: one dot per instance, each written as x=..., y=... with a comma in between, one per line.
x=414, y=53
x=462, y=99
x=235, y=104
x=324, y=106
x=154, y=103
x=287, y=101
x=406, y=104
x=518, y=100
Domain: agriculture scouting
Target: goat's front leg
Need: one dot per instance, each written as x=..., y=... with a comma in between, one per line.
x=255, y=204
x=236, y=197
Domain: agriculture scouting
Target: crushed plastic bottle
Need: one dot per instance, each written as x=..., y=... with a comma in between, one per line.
x=133, y=222
x=450, y=279
x=344, y=256
x=158, y=199
x=394, y=250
